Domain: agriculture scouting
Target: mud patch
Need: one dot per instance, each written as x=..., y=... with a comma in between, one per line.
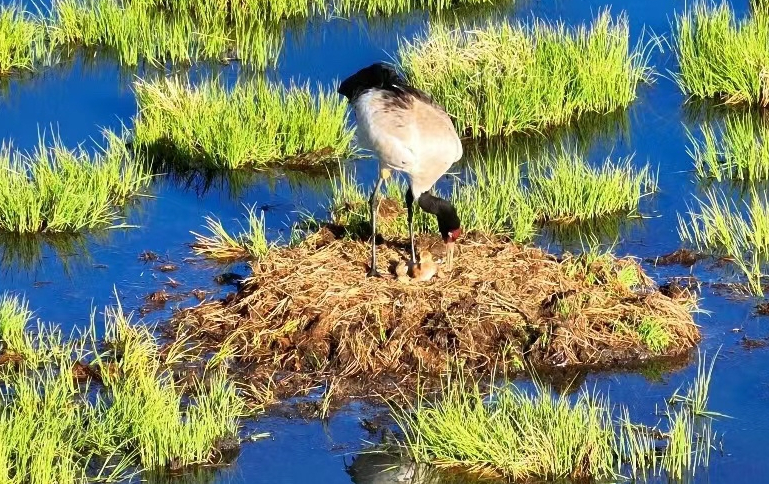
x=310, y=312
x=683, y=257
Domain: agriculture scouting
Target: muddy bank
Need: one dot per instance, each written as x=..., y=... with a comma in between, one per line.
x=311, y=312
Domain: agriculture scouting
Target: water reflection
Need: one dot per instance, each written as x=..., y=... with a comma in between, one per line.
x=27, y=252
x=377, y=466
x=197, y=475
x=575, y=237
x=708, y=110
x=236, y=183
x=580, y=136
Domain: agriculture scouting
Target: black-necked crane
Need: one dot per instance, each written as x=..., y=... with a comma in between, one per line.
x=409, y=133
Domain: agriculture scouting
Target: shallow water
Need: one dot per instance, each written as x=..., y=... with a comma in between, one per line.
x=65, y=279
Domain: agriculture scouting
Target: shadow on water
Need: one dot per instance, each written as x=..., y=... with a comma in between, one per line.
x=568, y=381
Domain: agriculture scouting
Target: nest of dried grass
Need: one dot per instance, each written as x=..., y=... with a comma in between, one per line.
x=311, y=310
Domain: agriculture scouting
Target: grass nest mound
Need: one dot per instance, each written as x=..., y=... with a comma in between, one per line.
x=310, y=309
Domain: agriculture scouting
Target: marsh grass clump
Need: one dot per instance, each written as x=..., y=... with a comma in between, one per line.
x=253, y=124
x=22, y=37
x=220, y=245
x=723, y=228
x=533, y=435
x=87, y=412
x=501, y=195
x=486, y=205
x=137, y=31
x=279, y=10
x=564, y=187
x=55, y=189
x=654, y=335
x=374, y=8
x=503, y=78
x=739, y=150
x=723, y=57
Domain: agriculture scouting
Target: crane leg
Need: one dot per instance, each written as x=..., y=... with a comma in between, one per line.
x=374, y=207
x=410, y=212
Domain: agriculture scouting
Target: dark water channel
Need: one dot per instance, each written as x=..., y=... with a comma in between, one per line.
x=63, y=279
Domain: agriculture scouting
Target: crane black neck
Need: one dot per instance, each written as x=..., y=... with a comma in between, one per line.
x=444, y=211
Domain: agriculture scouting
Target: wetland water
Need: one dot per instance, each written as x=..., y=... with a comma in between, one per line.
x=64, y=279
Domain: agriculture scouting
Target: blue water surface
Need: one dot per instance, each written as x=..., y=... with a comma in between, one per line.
x=65, y=280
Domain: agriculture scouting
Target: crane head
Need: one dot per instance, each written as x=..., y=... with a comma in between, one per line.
x=377, y=75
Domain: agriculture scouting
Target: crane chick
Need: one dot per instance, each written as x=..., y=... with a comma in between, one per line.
x=409, y=133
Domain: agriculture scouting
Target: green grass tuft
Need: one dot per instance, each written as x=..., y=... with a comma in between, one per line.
x=737, y=151
x=722, y=228
x=723, y=57
x=253, y=124
x=492, y=204
x=220, y=245
x=564, y=187
x=503, y=78
x=14, y=316
x=21, y=39
x=56, y=189
x=654, y=335
x=138, y=30
x=523, y=436
x=504, y=196
x=373, y=8
x=132, y=416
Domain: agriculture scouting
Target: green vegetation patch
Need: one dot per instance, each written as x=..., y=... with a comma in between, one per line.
x=219, y=245
x=509, y=432
x=392, y=7
x=55, y=189
x=139, y=30
x=81, y=411
x=503, y=78
x=564, y=187
x=723, y=57
x=739, y=150
x=654, y=335
x=740, y=232
x=505, y=196
x=21, y=39
x=251, y=125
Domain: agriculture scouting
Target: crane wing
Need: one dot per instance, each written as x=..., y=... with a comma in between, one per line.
x=409, y=134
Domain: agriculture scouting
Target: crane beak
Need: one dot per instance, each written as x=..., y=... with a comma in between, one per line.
x=449, y=255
